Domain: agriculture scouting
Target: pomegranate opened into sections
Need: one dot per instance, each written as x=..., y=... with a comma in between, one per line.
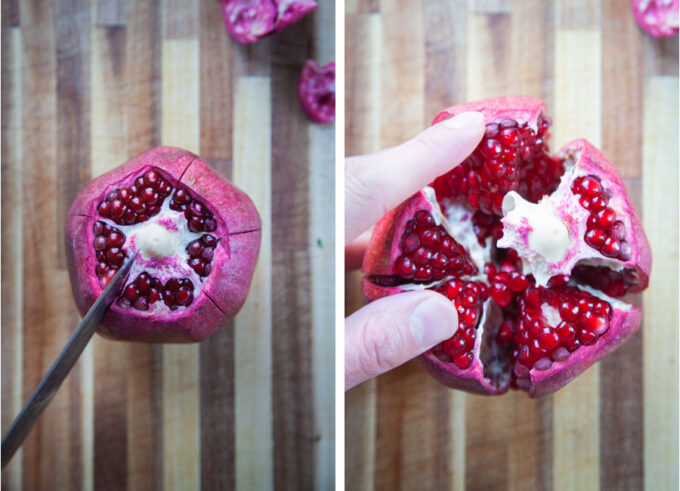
x=535, y=251
x=198, y=237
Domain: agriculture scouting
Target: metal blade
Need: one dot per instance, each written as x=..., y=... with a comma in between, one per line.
x=53, y=379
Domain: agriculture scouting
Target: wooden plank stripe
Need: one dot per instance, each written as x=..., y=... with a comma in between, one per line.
x=12, y=237
x=321, y=161
x=181, y=19
x=253, y=327
x=10, y=13
x=180, y=373
x=294, y=432
x=577, y=73
x=659, y=192
x=322, y=264
x=217, y=71
x=621, y=53
x=109, y=13
x=42, y=289
x=143, y=59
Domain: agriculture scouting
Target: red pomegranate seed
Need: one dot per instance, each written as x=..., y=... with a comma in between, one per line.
x=104, y=208
x=463, y=360
x=100, y=243
x=194, y=248
x=501, y=294
x=197, y=265
x=115, y=239
x=595, y=238
x=611, y=247
x=172, y=284
x=154, y=295
x=115, y=256
x=131, y=292
x=207, y=254
x=184, y=296
x=454, y=345
x=209, y=240
x=142, y=303
x=181, y=196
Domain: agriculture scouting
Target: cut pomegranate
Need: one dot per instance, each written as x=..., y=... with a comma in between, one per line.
x=198, y=238
x=532, y=249
x=657, y=17
x=316, y=91
x=248, y=21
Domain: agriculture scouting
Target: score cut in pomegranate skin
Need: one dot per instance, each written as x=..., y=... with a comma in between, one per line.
x=316, y=91
x=248, y=21
x=537, y=252
x=198, y=236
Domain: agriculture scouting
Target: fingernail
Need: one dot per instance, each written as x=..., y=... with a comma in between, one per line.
x=432, y=321
x=464, y=120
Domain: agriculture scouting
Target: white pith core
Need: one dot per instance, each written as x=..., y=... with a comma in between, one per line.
x=154, y=240
x=547, y=235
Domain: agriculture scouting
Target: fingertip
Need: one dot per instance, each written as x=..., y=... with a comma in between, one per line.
x=433, y=320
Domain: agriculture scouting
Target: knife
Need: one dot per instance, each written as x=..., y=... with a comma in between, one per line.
x=53, y=379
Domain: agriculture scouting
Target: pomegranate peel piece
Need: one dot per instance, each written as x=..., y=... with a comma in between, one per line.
x=193, y=273
x=551, y=303
x=248, y=21
x=316, y=91
x=658, y=18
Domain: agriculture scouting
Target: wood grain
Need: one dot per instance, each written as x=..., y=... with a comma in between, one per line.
x=87, y=85
x=588, y=55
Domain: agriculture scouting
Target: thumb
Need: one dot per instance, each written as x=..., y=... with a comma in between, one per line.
x=392, y=330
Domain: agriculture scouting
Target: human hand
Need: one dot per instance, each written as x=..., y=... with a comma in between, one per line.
x=392, y=330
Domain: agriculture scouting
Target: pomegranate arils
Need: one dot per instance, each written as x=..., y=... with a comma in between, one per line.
x=110, y=256
x=511, y=156
x=178, y=292
x=127, y=206
x=604, y=233
x=200, y=219
x=584, y=318
x=467, y=298
x=429, y=253
x=485, y=225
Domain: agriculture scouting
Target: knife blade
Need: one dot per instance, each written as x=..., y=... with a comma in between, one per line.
x=61, y=367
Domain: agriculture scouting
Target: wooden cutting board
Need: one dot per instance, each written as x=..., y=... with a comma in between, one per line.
x=86, y=85
x=616, y=426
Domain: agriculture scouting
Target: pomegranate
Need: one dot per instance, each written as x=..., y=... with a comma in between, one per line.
x=535, y=251
x=248, y=21
x=657, y=17
x=316, y=91
x=198, y=237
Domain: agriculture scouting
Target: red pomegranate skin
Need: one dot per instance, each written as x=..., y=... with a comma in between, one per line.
x=385, y=247
x=222, y=292
x=248, y=21
x=658, y=18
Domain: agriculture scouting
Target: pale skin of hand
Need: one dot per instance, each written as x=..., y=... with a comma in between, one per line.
x=390, y=331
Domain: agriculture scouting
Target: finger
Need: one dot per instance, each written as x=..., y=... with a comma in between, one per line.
x=374, y=184
x=354, y=252
x=392, y=330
